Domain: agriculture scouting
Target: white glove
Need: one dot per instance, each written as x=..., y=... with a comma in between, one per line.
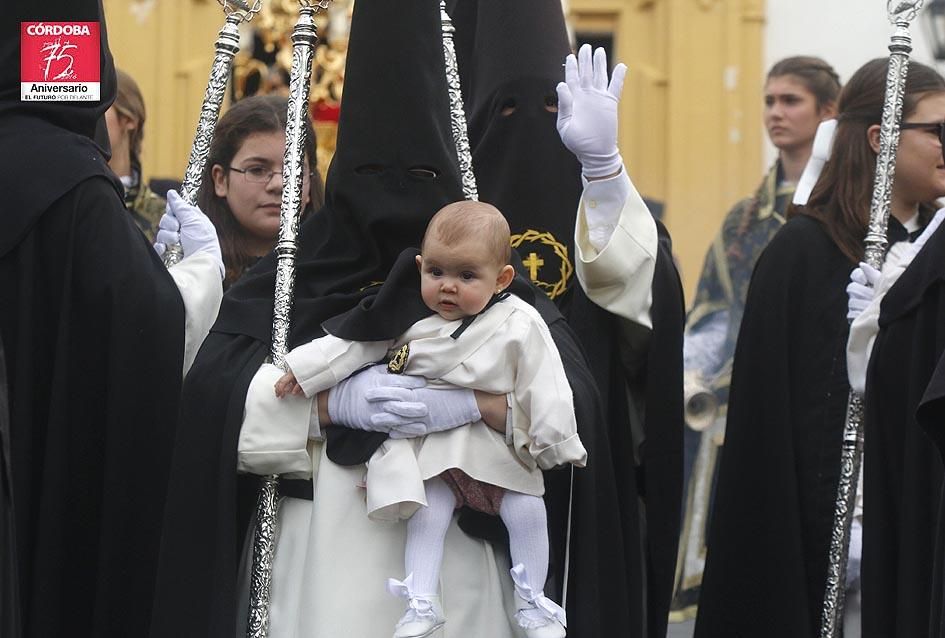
x=186, y=225
x=861, y=289
x=587, y=111
x=421, y=410
x=352, y=404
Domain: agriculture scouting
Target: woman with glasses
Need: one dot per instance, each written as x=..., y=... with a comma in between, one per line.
x=896, y=339
x=241, y=191
x=769, y=537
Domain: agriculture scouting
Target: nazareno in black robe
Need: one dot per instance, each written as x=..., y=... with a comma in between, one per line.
x=769, y=533
x=920, y=301
x=902, y=470
x=93, y=330
x=622, y=555
x=394, y=120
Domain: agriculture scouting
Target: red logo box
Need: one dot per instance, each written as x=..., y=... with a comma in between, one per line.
x=59, y=61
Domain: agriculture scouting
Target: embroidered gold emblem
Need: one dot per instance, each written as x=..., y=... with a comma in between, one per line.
x=538, y=249
x=398, y=360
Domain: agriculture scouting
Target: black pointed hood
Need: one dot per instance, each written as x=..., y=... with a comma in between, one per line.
x=394, y=167
x=511, y=56
x=47, y=147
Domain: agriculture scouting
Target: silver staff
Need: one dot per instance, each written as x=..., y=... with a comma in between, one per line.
x=227, y=46
x=901, y=14
x=304, y=39
x=457, y=113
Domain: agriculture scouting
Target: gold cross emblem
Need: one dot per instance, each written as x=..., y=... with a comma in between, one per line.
x=533, y=263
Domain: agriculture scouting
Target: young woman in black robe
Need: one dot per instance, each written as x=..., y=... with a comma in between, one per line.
x=769, y=537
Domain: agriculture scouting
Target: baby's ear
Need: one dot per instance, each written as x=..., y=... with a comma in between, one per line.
x=506, y=275
x=419, y=261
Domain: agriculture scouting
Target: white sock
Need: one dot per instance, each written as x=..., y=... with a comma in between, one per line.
x=426, y=530
x=527, y=521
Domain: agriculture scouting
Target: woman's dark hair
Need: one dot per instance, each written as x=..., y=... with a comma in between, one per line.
x=256, y=114
x=841, y=198
x=815, y=74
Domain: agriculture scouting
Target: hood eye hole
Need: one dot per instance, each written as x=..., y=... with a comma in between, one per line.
x=551, y=103
x=369, y=169
x=508, y=107
x=423, y=172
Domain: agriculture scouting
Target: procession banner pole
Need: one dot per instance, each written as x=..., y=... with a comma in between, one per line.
x=304, y=39
x=901, y=13
x=226, y=46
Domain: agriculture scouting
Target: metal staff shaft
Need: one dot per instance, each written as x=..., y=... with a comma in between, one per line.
x=457, y=112
x=901, y=14
x=304, y=39
x=226, y=47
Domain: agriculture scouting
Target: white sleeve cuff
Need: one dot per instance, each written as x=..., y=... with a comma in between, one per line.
x=274, y=435
x=198, y=280
x=324, y=362
x=619, y=276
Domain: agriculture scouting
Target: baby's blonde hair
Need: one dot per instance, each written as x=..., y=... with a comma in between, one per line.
x=462, y=220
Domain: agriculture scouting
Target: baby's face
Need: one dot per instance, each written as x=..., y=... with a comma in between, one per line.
x=458, y=280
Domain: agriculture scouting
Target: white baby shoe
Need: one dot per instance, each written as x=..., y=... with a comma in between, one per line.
x=537, y=614
x=424, y=614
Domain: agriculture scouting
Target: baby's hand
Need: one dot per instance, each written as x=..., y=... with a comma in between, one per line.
x=287, y=384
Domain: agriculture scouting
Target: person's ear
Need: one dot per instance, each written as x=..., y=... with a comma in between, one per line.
x=872, y=135
x=220, y=187
x=419, y=261
x=504, y=279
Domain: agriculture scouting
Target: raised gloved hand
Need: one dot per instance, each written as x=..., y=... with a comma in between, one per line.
x=587, y=111
x=418, y=411
x=187, y=225
x=352, y=403
x=861, y=289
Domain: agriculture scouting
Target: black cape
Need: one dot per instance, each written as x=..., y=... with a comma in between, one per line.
x=770, y=528
x=920, y=292
x=902, y=470
x=93, y=329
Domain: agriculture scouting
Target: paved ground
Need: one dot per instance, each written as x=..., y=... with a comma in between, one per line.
x=681, y=629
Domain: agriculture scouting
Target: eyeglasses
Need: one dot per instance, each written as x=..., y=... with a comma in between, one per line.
x=261, y=174
x=938, y=127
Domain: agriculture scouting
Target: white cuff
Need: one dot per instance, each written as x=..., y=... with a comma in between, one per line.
x=198, y=280
x=619, y=276
x=274, y=435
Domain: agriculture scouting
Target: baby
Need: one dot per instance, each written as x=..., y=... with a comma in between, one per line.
x=478, y=337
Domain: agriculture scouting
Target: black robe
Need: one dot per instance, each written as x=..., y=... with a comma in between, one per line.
x=920, y=293
x=93, y=330
x=902, y=470
x=769, y=534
